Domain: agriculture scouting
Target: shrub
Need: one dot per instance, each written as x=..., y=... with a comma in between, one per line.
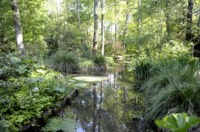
x=99, y=60
x=13, y=66
x=109, y=61
x=142, y=70
x=85, y=64
x=27, y=95
x=65, y=62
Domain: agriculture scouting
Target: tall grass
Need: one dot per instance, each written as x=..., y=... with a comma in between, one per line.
x=173, y=87
x=65, y=62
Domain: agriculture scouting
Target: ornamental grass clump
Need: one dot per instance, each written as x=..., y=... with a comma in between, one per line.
x=172, y=88
x=65, y=62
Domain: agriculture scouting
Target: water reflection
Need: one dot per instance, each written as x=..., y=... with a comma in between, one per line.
x=107, y=106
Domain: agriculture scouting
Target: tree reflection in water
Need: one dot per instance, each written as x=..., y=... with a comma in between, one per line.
x=108, y=106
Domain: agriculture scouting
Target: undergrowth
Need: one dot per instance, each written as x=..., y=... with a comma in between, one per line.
x=170, y=82
x=27, y=89
x=65, y=62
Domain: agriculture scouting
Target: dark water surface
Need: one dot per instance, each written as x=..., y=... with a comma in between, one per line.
x=109, y=105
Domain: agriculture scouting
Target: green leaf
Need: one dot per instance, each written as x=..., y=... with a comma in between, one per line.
x=38, y=79
x=60, y=89
x=19, y=119
x=178, y=122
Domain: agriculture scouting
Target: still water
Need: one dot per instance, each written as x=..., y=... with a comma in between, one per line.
x=107, y=104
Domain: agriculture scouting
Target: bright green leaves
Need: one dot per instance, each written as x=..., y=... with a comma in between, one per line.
x=178, y=122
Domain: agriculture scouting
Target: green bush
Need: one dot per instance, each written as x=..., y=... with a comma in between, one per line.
x=86, y=64
x=27, y=89
x=65, y=62
x=109, y=61
x=13, y=66
x=142, y=70
x=99, y=60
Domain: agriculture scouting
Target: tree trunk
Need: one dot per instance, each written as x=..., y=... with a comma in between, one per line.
x=139, y=25
x=102, y=25
x=126, y=24
x=17, y=27
x=198, y=25
x=116, y=21
x=189, y=34
x=78, y=15
x=168, y=21
x=95, y=39
x=79, y=20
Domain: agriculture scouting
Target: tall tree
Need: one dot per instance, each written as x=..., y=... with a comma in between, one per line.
x=167, y=20
x=78, y=14
x=189, y=35
x=139, y=24
x=126, y=23
x=95, y=37
x=116, y=17
x=102, y=25
x=17, y=27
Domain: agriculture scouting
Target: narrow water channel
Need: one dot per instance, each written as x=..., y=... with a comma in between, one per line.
x=109, y=105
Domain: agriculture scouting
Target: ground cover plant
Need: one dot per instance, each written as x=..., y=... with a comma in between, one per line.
x=27, y=89
x=178, y=122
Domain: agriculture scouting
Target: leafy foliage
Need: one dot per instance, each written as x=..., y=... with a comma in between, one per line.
x=99, y=60
x=26, y=90
x=179, y=122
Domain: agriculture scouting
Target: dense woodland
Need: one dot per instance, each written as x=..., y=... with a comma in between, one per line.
x=40, y=39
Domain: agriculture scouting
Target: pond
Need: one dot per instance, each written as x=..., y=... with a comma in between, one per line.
x=106, y=104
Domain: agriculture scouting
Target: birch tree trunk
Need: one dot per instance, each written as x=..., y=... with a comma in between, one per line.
x=17, y=27
x=95, y=38
x=102, y=25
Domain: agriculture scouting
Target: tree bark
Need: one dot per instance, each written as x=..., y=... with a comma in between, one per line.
x=79, y=20
x=17, y=27
x=102, y=25
x=198, y=24
x=139, y=24
x=78, y=15
x=115, y=21
x=126, y=24
x=168, y=21
x=189, y=34
x=95, y=38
